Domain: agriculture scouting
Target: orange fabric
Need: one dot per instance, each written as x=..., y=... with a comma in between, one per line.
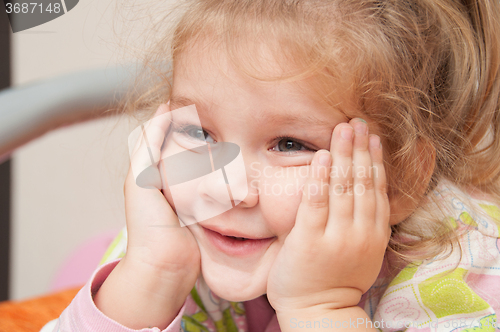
x=32, y=315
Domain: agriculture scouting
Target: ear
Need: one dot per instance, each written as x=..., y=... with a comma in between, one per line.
x=403, y=206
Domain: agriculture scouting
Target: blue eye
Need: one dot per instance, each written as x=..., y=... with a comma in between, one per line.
x=197, y=133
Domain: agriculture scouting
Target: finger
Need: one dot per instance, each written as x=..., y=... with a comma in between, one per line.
x=141, y=202
x=159, y=123
x=147, y=141
x=147, y=206
x=156, y=128
x=364, y=194
x=341, y=200
x=312, y=214
x=379, y=182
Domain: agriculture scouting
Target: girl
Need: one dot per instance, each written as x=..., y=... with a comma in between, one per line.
x=392, y=108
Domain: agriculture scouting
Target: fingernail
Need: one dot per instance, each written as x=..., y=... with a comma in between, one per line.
x=346, y=134
x=375, y=142
x=168, y=102
x=324, y=159
x=362, y=120
x=361, y=128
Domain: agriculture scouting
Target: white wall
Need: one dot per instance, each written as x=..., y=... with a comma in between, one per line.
x=67, y=185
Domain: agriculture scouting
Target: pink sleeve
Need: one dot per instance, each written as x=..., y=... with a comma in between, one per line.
x=82, y=315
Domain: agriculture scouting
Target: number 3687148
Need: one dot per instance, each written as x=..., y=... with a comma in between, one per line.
x=32, y=7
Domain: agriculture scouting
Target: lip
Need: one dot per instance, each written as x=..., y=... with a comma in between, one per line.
x=234, y=247
x=229, y=232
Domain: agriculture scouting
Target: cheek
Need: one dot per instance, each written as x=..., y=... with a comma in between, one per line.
x=182, y=197
x=279, y=199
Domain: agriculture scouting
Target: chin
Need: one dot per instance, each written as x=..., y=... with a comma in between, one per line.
x=234, y=286
x=233, y=294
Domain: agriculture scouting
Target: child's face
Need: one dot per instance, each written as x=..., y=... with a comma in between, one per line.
x=261, y=118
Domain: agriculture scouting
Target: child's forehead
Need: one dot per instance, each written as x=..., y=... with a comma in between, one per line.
x=210, y=61
x=249, y=57
x=272, y=115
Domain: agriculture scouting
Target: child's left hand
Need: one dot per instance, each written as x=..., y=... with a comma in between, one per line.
x=335, y=251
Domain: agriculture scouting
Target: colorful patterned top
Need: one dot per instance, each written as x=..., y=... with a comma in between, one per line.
x=457, y=292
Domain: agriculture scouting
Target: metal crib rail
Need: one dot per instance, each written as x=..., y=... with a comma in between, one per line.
x=29, y=111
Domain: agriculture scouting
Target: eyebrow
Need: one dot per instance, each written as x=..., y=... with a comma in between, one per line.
x=289, y=119
x=181, y=101
x=283, y=119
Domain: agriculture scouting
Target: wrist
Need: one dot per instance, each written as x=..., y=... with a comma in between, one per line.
x=137, y=297
x=166, y=283
x=180, y=268
x=332, y=299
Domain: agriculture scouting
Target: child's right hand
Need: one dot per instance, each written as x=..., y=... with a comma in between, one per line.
x=162, y=263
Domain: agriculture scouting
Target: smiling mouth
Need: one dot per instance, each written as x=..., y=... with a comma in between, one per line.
x=233, y=234
x=237, y=245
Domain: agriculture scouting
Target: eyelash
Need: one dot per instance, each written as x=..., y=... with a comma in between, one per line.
x=184, y=129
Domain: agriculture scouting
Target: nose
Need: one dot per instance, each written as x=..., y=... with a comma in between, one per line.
x=229, y=183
